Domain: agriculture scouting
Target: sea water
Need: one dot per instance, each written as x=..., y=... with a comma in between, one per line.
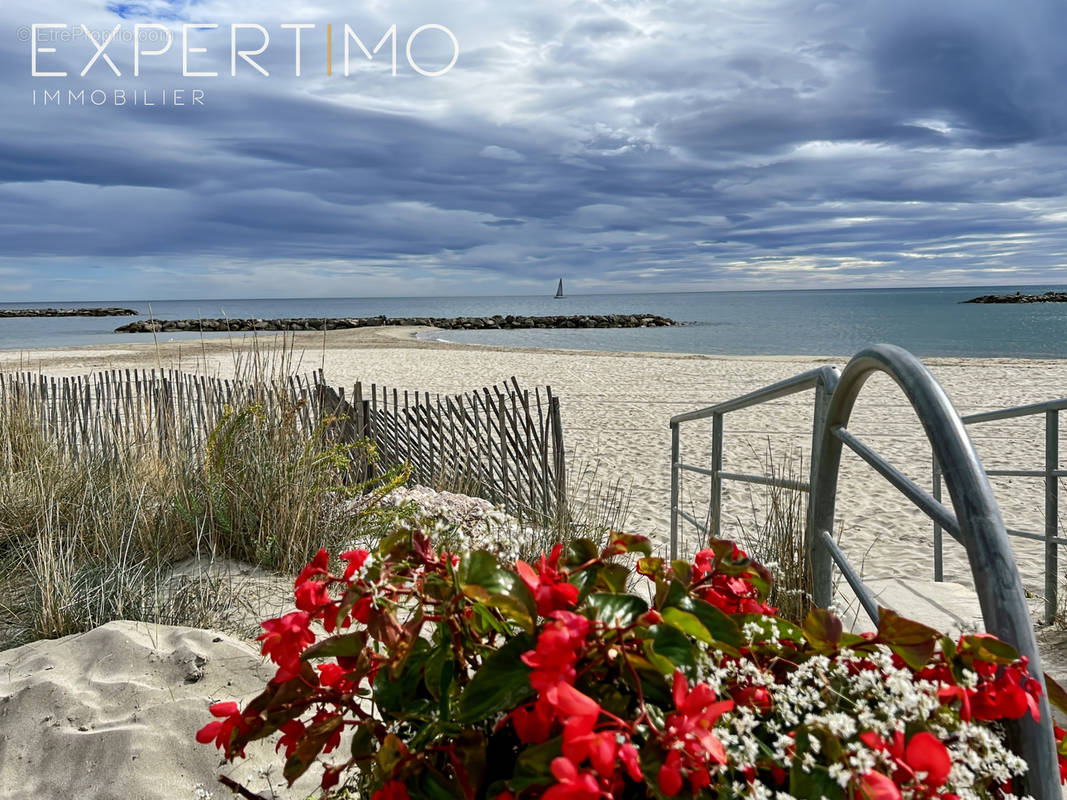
x=927, y=321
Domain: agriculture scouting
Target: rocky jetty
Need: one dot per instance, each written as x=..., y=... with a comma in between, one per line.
x=68, y=312
x=1019, y=297
x=497, y=322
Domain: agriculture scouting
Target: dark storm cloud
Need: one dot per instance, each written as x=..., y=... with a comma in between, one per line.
x=693, y=145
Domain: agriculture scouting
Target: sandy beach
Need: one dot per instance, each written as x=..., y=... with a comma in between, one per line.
x=616, y=409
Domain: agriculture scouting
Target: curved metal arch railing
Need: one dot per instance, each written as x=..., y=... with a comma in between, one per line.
x=976, y=523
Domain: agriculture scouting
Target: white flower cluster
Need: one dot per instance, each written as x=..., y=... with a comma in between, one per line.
x=840, y=698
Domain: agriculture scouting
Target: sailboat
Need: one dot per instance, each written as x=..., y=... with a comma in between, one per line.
x=559, y=290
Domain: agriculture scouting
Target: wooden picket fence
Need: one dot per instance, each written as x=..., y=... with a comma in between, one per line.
x=503, y=443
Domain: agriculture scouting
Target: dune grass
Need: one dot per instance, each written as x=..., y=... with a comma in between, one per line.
x=87, y=537
x=92, y=535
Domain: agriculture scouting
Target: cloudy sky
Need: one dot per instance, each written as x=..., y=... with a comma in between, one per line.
x=625, y=145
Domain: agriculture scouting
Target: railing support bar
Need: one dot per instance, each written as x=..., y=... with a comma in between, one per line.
x=1052, y=485
x=939, y=546
x=851, y=577
x=714, y=525
x=820, y=559
x=675, y=475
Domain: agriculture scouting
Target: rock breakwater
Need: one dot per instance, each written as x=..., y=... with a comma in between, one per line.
x=68, y=312
x=1019, y=297
x=497, y=322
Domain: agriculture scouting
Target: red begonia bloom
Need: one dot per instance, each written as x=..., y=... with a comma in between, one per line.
x=355, y=560
x=393, y=790
x=285, y=639
x=876, y=786
x=689, y=738
x=926, y=753
x=670, y=774
x=730, y=593
x=548, y=585
x=557, y=650
x=220, y=731
x=320, y=565
x=533, y=725
x=292, y=733
x=573, y=785
x=311, y=596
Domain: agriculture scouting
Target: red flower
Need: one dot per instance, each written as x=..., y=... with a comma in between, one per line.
x=533, y=725
x=548, y=585
x=311, y=596
x=292, y=733
x=876, y=786
x=221, y=730
x=356, y=559
x=924, y=754
x=393, y=790
x=733, y=594
x=573, y=785
x=670, y=774
x=320, y=565
x=688, y=737
x=558, y=646
x=285, y=639
x=333, y=676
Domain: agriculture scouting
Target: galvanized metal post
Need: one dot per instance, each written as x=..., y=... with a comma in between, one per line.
x=1052, y=516
x=939, y=568
x=819, y=558
x=675, y=476
x=714, y=526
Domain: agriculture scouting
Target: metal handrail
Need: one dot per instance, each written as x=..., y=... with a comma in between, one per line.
x=822, y=379
x=996, y=578
x=1051, y=474
x=974, y=519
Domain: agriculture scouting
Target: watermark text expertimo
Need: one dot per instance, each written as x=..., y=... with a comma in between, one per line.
x=192, y=46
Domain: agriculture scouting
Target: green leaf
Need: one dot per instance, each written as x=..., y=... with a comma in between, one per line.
x=348, y=645
x=396, y=695
x=723, y=629
x=483, y=580
x=616, y=610
x=677, y=595
x=613, y=578
x=816, y=783
x=672, y=645
x=432, y=785
x=986, y=647
x=652, y=567
x=363, y=741
x=502, y=682
x=822, y=629
x=912, y=641
x=578, y=551
x=683, y=571
x=687, y=623
x=1056, y=695
x=390, y=753
x=532, y=765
